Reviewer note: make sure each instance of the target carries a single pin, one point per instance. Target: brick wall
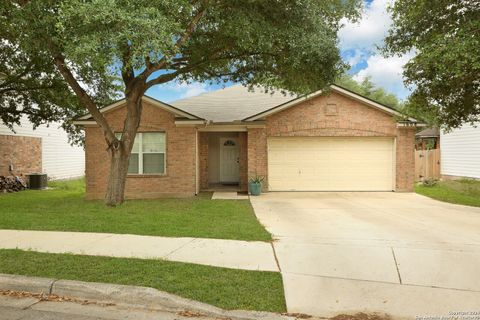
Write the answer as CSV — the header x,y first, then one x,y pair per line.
x,y
257,154
405,159
334,115
179,179
316,118
203,159
24,153
243,161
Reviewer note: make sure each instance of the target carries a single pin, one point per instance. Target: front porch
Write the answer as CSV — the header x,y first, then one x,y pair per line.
x,y
223,161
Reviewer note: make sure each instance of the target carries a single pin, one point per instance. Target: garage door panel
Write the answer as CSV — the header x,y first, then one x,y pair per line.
x,y
330,164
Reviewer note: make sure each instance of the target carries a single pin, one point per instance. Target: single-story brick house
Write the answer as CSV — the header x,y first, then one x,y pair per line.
x,y
339,141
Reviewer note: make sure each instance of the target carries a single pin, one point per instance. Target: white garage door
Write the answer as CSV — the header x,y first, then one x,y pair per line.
x,y
330,164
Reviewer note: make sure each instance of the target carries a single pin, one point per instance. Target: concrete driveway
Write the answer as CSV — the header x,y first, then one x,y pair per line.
x,y
399,253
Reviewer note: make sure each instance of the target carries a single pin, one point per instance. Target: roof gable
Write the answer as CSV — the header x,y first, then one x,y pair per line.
x,y
152,101
334,88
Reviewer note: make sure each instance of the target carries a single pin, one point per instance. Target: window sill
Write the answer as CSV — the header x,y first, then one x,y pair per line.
x,y
150,175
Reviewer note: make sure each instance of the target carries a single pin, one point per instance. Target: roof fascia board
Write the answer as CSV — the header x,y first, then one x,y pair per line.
x,y
105,109
230,127
283,106
84,122
189,123
317,93
410,124
369,102
154,102
171,108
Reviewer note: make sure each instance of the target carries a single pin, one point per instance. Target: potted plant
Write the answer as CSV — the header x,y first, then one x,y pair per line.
x,y
255,185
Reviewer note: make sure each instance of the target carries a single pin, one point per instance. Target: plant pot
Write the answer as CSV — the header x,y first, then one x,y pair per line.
x,y
255,188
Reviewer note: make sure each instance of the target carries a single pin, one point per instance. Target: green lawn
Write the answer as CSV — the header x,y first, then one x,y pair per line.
x,y
225,288
464,191
63,208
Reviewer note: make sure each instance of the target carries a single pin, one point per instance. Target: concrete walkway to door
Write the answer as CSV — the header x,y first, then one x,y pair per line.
x,y
399,253
213,252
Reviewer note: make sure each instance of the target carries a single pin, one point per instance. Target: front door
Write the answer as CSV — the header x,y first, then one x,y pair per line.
x,y
229,160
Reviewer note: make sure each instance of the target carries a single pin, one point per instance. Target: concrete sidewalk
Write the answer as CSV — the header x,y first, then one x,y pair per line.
x,y
247,255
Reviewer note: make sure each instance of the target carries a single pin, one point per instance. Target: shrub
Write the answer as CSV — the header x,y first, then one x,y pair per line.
x,y
429,182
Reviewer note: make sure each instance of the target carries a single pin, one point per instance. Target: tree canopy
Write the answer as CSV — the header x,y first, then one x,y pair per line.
x,y
136,44
287,44
31,86
368,89
444,74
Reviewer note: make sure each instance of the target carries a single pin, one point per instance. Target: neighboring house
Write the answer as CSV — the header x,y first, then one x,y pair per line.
x,y
460,152
45,149
427,139
336,142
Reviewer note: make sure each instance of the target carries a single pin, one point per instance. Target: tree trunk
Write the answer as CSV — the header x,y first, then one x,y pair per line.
x,y
118,176
120,150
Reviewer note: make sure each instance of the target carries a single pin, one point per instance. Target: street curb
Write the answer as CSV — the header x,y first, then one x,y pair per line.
x,y
21,283
126,295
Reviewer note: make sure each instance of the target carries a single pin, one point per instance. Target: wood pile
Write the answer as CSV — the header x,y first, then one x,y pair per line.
x,y
12,184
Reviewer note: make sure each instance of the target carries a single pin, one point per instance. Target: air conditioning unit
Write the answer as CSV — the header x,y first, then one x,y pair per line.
x,y
37,181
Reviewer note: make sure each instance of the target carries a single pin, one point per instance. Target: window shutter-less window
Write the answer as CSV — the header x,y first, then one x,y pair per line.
x,y
148,153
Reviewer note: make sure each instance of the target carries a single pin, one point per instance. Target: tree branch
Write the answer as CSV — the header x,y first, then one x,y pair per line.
x,y
83,96
170,76
183,38
163,79
19,76
191,26
26,88
127,70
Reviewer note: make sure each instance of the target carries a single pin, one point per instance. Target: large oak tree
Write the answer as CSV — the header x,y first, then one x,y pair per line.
x,y
445,70
288,44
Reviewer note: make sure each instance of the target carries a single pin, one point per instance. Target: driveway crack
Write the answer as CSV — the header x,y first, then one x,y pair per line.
x,y
396,265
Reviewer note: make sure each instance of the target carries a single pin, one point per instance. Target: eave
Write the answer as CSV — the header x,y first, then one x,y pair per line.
x,y
86,119
337,89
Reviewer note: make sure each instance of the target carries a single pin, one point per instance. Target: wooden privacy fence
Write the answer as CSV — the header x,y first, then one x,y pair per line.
x,y
427,164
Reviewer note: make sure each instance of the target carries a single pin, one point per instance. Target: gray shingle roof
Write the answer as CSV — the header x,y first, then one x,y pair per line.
x,y
428,133
231,103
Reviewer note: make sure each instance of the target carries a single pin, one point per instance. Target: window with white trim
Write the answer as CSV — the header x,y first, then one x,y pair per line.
x,y
148,153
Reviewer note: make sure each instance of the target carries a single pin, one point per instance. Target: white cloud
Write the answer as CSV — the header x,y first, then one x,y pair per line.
x,y
193,89
370,30
359,42
356,57
386,72
186,90
175,90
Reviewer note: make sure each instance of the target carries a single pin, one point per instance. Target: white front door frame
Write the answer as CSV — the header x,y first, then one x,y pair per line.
x,y
229,160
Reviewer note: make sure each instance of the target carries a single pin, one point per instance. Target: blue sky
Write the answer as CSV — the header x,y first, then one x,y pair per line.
x,y
358,44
